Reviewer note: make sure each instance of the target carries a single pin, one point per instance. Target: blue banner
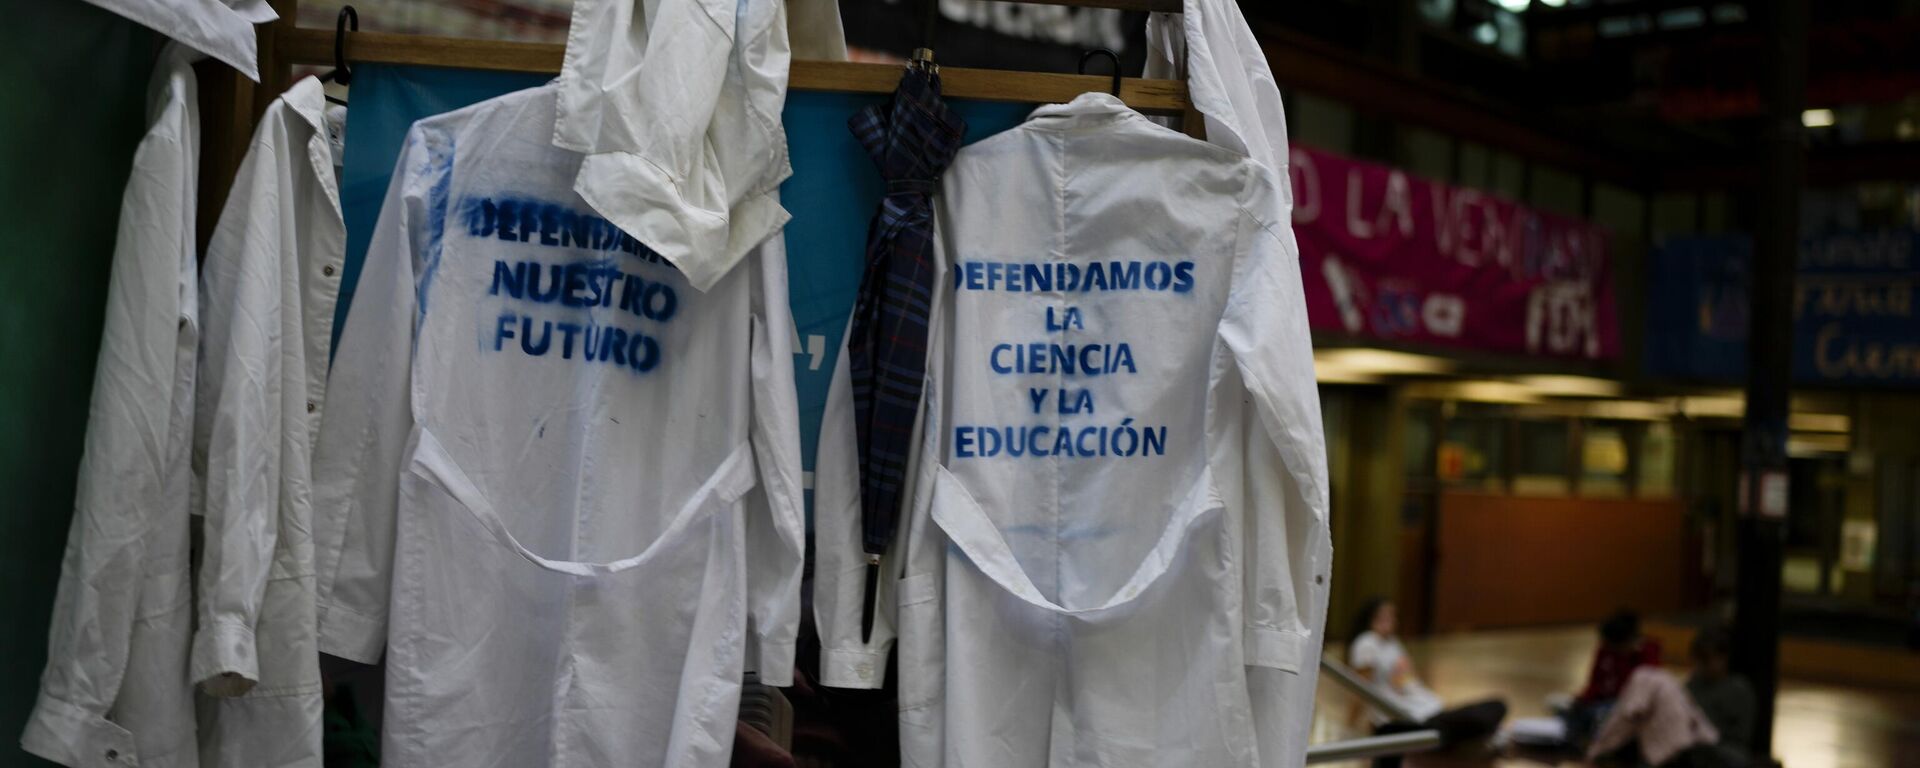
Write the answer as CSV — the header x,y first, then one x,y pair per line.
x,y
1854,316
832,194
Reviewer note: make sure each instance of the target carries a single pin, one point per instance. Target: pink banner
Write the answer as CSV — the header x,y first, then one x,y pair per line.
x,y
1389,256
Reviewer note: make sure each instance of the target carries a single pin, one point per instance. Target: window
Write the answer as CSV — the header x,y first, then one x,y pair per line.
x,y
1474,450
1603,459
1557,191
1540,458
1416,461
1320,122
1659,448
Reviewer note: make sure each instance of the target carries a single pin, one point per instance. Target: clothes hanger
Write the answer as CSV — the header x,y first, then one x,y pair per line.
x,y
342,74
1114,57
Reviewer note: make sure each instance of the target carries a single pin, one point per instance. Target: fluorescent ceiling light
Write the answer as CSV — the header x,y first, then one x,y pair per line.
x,y
1513,5
1818,422
1611,410
1493,391
1570,386
1735,406
1629,410
1725,407
1380,362
1806,444
1816,118
1474,391
1333,374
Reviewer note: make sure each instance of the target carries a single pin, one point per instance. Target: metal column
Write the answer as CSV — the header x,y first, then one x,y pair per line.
x,y
1756,630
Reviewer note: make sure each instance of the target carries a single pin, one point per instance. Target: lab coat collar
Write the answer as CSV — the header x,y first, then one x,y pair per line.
x,y
307,97
1086,110
222,29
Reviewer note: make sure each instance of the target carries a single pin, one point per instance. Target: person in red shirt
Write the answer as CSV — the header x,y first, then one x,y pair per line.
x,y
1622,650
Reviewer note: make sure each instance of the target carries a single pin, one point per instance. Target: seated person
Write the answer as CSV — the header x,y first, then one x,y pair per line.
x,y
1726,698
1622,650
1376,655
1653,722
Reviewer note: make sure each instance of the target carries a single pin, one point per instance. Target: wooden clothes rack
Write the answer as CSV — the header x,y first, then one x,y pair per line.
x,y
232,104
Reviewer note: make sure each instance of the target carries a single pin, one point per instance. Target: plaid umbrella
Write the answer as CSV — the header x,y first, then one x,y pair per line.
x,y
912,138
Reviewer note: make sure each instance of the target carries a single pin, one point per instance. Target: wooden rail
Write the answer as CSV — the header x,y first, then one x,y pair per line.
x,y
1160,97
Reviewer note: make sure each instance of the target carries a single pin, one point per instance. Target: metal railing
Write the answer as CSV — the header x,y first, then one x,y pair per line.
x,y
1374,746
1370,746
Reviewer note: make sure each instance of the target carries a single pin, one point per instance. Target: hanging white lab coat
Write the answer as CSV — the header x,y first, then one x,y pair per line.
x,y
677,105
269,286
222,29
1120,465
115,690
565,497
1210,46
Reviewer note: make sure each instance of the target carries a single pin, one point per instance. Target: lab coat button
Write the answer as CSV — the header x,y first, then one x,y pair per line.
x,y
327,270
864,670
113,755
311,407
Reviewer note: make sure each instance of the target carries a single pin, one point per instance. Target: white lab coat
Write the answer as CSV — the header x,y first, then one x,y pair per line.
x,y
115,691
677,105
1107,544
222,29
269,285
566,497
1210,46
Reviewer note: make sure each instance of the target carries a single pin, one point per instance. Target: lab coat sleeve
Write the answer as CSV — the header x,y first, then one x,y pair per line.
x,y
149,313
1209,45
776,513
638,91
369,420
240,411
1265,328
839,560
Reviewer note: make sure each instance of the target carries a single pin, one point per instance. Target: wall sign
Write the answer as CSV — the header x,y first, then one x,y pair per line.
x,y
1855,321
1390,256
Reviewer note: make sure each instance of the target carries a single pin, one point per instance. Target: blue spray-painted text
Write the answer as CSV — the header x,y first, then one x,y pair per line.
x,y
550,224
1065,277
1123,440
1094,359
585,341
585,284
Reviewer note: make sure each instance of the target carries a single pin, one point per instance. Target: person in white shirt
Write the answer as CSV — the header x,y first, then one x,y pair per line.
x,y
1377,655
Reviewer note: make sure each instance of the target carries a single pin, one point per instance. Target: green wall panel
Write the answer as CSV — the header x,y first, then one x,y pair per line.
x,y
72,111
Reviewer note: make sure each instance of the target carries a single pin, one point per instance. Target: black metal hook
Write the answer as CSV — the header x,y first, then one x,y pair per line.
x,y
1088,56
349,19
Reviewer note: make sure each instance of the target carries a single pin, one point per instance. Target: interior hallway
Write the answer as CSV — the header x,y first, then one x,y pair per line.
x,y
1816,726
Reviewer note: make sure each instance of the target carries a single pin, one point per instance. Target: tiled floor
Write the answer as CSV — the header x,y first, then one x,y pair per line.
x,y
1817,726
